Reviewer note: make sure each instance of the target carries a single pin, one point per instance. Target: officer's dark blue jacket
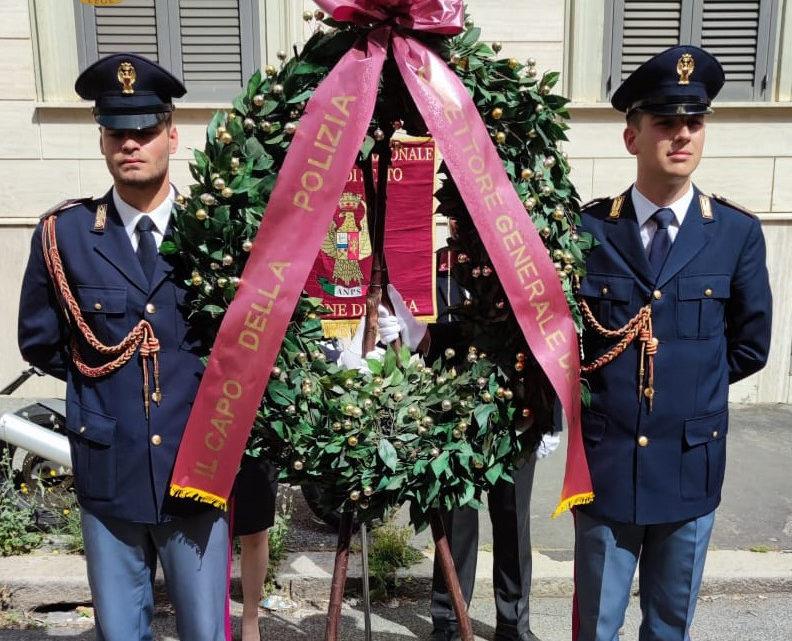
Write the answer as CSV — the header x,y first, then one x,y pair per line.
x,y
122,461
711,310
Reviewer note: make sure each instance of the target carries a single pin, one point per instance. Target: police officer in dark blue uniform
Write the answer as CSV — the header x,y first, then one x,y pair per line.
x,y
104,311
683,273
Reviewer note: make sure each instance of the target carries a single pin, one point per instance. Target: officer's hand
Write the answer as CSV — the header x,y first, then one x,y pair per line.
x,y
401,321
548,445
351,356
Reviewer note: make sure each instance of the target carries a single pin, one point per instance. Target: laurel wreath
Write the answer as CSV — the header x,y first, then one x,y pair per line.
x,y
436,436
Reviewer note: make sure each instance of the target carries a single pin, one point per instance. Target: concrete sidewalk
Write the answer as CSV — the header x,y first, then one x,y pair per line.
x,y
40,580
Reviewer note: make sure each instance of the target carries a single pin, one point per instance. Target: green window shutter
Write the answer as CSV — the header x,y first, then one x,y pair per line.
x,y
740,34
211,45
214,48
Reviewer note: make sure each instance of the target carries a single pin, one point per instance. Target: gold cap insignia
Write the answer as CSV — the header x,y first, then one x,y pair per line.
x,y
127,76
685,67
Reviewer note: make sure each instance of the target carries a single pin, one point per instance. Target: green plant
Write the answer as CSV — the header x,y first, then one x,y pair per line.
x,y
18,533
278,535
390,551
71,528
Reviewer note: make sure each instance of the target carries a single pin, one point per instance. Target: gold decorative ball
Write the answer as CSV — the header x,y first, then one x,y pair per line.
x,y
513,63
352,441
234,280
228,260
558,214
449,353
500,137
435,452
455,58
546,231
544,90
398,397
213,266
508,395
421,430
481,382
235,162
574,237
519,366
354,495
201,214
547,190
222,282
413,411
226,138
227,192
446,405
472,348
549,161
368,490
529,203
270,70
258,100
569,269
441,380
478,464
367,403
289,128
496,47
378,134
249,124
527,173
486,271
275,372
336,426
558,254
347,424
532,72
427,421
307,16
220,131
297,465
281,55
208,199
500,392
247,246
531,62
539,109
277,89
486,397
196,279
291,409
472,357
497,113
265,126
532,133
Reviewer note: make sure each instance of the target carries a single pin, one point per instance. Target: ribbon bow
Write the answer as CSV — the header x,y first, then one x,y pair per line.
x,y
302,204
444,17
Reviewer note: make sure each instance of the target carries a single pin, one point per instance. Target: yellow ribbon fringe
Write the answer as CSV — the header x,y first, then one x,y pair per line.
x,y
201,496
344,329
572,501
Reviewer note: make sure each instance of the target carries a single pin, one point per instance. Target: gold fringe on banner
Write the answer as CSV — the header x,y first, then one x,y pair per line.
x,y
572,501
201,496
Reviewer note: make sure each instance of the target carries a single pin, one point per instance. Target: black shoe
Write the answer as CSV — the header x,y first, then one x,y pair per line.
x,y
502,635
448,633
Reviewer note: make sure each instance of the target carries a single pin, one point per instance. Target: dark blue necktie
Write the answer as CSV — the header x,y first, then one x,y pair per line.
x,y
661,243
147,246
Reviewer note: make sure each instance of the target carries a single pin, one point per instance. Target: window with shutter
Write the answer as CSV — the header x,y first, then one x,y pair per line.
x,y
211,45
740,34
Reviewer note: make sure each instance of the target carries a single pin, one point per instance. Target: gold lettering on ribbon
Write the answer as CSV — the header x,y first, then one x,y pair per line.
x,y
215,438
327,140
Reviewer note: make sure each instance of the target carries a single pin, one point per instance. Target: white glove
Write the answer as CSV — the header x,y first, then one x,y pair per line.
x,y
351,356
401,321
548,445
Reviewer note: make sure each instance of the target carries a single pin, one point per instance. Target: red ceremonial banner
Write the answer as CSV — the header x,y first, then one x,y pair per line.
x,y
342,271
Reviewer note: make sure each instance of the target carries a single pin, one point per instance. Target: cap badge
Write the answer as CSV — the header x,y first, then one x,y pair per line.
x,y
127,76
685,67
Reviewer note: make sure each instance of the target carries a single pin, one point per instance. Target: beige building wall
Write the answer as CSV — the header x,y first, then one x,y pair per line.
x,y
49,142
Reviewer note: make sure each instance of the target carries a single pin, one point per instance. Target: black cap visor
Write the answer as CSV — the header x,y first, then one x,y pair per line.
x,y
130,121
681,109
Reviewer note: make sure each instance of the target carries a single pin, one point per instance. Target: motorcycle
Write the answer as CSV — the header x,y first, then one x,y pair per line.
x,y
35,455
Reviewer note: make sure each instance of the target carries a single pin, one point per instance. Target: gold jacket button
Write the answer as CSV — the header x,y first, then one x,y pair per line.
x,y
657,294
708,292
605,291
156,439
82,429
715,434
151,308
98,306
643,441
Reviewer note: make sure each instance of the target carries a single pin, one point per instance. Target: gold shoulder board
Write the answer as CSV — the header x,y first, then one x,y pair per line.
x,y
733,205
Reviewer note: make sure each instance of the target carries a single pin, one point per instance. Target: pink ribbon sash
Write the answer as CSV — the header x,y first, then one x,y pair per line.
x,y
301,207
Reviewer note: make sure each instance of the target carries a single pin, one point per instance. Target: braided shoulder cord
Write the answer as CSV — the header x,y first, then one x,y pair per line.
x,y
140,337
639,326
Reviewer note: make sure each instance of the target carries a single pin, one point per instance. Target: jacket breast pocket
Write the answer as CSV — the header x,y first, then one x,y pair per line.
x,y
105,310
701,305
704,455
95,454
609,298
